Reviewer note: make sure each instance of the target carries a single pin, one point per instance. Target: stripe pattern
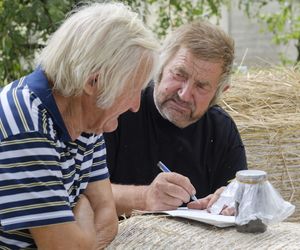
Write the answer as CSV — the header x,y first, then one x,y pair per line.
x,y
41,176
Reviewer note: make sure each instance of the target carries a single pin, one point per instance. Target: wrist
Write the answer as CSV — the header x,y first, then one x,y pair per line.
x,y
142,198
129,198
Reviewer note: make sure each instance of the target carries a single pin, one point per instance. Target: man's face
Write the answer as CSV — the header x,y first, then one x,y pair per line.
x,y
186,88
108,120
100,120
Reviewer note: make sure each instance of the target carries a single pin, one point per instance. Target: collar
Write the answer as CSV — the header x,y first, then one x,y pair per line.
x,y
38,83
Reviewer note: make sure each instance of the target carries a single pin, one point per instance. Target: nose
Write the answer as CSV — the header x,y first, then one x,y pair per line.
x,y
185,91
135,106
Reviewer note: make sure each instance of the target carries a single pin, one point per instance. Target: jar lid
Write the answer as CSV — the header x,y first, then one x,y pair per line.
x,y
251,176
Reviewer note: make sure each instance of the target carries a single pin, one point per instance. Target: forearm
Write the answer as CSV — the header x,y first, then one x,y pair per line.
x,y
85,217
63,236
128,198
106,223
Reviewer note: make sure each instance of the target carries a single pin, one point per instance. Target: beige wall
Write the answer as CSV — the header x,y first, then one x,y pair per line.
x,y
251,43
255,45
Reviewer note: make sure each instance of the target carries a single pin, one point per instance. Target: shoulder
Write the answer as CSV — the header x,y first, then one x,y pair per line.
x,y
218,112
220,120
91,143
22,112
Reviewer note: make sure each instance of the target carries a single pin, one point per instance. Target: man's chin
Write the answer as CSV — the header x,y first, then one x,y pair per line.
x,y
180,123
110,128
177,117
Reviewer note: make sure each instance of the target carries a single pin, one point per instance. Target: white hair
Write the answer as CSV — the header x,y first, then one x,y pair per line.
x,y
103,39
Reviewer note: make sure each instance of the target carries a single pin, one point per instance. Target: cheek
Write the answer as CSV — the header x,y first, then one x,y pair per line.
x,y
124,106
202,103
167,87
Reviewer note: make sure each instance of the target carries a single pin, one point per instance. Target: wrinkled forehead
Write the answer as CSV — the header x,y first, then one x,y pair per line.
x,y
187,63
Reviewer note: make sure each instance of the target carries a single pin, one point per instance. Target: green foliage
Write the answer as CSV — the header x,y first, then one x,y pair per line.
x,y
173,13
24,28
25,25
284,23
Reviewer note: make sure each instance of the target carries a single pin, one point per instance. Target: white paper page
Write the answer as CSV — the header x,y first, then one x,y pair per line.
x,y
203,216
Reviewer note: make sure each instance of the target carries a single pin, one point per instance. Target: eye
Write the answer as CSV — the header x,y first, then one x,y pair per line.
x,y
177,75
203,86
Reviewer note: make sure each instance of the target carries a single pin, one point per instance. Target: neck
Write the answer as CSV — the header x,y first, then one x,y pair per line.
x,y
71,112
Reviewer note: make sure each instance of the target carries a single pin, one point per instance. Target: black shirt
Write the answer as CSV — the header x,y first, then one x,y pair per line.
x,y
208,152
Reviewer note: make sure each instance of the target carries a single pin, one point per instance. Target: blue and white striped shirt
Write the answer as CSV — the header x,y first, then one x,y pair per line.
x,y
42,172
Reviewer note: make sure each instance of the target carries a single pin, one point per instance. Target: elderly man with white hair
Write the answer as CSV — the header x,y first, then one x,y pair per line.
x,y
55,192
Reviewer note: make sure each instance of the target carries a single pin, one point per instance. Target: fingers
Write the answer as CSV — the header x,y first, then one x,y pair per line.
x,y
228,211
215,197
203,204
200,204
208,201
168,191
171,202
180,181
174,191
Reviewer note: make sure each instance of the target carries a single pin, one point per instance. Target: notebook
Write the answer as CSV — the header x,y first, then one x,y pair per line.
x,y
200,215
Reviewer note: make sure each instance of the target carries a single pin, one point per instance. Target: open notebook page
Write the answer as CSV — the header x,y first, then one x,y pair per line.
x,y
201,215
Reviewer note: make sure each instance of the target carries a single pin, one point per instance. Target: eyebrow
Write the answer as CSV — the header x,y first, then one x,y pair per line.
x,y
202,82
181,70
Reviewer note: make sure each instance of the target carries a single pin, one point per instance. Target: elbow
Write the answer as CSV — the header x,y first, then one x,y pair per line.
x,y
84,242
113,233
106,235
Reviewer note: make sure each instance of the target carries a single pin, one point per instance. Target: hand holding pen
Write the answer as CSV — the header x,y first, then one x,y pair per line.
x,y
165,169
206,202
168,191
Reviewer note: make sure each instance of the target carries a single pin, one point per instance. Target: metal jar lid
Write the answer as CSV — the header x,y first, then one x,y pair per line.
x,y
251,176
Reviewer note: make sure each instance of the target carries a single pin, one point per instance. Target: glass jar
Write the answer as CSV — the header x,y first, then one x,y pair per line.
x,y
248,201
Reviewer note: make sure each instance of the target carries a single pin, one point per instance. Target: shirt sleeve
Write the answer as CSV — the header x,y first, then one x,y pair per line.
x,y
236,155
99,169
31,187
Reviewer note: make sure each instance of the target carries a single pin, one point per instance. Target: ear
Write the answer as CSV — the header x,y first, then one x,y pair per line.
x,y
90,86
225,88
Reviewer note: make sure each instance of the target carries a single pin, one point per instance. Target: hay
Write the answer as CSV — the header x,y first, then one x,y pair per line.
x,y
266,108
160,232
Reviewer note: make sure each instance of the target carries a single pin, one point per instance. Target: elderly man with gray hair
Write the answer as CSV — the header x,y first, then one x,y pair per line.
x,y
179,124
55,192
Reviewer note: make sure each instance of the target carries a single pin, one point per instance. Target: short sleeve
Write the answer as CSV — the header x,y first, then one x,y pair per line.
x,y
99,169
31,187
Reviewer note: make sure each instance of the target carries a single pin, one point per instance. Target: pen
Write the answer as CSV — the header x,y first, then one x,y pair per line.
x,y
165,169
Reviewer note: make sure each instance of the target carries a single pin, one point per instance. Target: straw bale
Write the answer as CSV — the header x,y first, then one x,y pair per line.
x,y
266,108
161,232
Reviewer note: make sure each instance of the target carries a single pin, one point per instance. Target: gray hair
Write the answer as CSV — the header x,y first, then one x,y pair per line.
x,y
104,39
206,42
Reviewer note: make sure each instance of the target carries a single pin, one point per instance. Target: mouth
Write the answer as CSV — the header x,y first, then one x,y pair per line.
x,y
180,107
